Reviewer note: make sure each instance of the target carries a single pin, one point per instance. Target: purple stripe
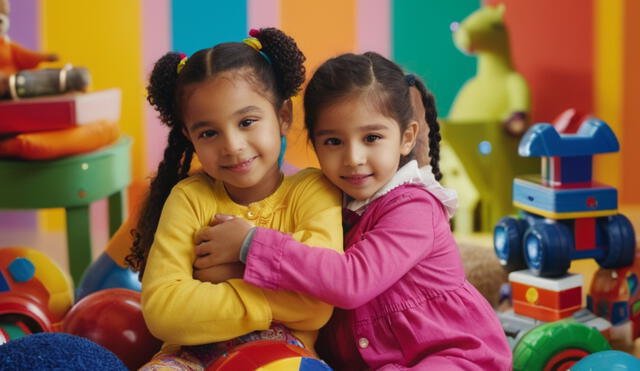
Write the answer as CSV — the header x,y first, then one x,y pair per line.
x,y
23,219
25,23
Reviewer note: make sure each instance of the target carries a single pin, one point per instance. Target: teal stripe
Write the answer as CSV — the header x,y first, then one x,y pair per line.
x,y
198,24
422,44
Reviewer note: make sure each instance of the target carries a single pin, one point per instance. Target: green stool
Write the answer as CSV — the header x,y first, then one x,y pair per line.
x,y
72,183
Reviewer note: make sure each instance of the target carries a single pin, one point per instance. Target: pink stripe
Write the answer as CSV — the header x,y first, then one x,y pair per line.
x,y
156,40
263,13
373,26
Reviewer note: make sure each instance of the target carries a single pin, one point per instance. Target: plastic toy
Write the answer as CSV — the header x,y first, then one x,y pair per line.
x,y
268,355
56,351
479,149
557,346
113,319
566,215
104,273
545,299
615,295
538,345
34,293
610,360
13,57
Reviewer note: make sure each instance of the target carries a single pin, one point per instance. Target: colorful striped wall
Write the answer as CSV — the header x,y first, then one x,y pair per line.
x,y
574,53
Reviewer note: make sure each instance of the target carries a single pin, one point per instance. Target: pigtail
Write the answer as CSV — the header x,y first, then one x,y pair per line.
x,y
162,87
175,164
431,116
286,59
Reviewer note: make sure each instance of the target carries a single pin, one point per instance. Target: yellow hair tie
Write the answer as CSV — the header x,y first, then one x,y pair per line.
x,y
253,42
183,61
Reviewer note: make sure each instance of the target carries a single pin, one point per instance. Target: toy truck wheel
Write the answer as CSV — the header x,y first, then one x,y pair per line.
x,y
547,249
507,242
620,242
557,346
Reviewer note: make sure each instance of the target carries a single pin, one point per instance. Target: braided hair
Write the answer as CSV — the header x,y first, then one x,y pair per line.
x,y
379,79
277,71
431,117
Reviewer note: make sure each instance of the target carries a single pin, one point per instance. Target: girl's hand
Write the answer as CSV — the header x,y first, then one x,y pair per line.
x,y
219,273
221,243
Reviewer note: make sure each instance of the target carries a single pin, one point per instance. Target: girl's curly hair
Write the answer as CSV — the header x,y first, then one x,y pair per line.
x,y
279,76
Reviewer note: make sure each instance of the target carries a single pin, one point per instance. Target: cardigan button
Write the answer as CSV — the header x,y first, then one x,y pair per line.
x,y
363,343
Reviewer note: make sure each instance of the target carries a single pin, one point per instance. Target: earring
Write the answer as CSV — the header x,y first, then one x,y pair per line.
x,y
283,148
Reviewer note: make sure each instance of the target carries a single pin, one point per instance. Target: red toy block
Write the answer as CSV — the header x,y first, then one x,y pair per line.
x,y
585,233
545,299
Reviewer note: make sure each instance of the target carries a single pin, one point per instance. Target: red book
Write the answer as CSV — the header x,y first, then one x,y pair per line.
x,y
59,111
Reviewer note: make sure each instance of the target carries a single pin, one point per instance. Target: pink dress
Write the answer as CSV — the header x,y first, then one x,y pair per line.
x,y
401,282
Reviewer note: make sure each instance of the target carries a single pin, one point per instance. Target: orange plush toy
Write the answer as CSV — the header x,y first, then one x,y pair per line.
x,y
14,57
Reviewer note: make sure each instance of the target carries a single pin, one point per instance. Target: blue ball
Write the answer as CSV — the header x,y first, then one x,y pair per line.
x,y
610,360
56,351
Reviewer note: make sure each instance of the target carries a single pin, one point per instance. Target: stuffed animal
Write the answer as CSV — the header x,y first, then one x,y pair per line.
x,y
13,57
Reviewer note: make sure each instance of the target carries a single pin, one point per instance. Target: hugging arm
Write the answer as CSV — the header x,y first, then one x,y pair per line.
x,y
399,240
317,222
179,309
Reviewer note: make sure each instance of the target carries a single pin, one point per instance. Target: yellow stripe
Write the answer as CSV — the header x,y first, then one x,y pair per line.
x,y
554,215
282,364
608,89
104,36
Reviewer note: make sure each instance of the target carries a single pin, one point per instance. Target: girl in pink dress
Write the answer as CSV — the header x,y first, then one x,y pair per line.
x,y
400,285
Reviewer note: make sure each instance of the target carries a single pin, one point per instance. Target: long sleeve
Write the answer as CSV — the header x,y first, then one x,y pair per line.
x,y
316,222
401,236
181,310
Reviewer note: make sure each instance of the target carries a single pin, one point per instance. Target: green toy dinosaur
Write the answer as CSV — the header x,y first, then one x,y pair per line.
x,y
486,119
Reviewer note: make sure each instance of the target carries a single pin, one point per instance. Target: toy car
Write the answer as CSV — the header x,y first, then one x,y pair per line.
x,y
34,293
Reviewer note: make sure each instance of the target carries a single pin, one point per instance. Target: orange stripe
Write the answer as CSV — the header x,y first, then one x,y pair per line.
x,y
322,30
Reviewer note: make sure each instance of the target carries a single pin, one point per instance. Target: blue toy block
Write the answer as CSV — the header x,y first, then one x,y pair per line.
x,y
530,194
594,136
21,269
563,170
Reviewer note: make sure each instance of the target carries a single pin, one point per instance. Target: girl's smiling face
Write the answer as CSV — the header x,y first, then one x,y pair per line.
x,y
358,147
236,132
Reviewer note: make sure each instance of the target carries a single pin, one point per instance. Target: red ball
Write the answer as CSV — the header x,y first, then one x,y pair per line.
x,y
113,319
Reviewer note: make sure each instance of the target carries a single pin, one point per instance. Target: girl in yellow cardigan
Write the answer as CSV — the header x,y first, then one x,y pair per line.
x,y
230,105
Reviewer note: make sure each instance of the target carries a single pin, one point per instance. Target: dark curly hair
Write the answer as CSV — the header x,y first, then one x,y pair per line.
x,y
380,79
279,76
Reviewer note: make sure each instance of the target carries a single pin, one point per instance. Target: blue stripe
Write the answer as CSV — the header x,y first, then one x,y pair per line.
x,y
199,24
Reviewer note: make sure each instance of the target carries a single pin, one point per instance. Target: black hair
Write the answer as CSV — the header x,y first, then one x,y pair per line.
x,y
380,79
279,75
431,117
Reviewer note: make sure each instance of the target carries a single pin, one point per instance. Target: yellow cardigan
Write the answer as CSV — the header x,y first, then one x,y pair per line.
x,y
181,310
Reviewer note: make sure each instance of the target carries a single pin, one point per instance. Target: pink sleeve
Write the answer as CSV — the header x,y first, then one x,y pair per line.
x,y
401,237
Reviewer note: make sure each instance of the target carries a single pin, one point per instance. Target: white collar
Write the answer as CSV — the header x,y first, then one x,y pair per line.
x,y
411,174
